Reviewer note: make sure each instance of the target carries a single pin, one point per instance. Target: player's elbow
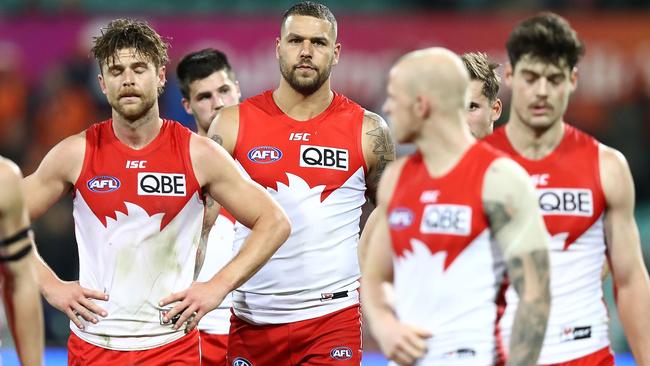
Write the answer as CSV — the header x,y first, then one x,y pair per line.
x,y
280,224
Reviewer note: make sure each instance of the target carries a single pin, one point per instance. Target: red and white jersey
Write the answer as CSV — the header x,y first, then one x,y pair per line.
x,y
217,254
448,272
137,217
316,171
573,203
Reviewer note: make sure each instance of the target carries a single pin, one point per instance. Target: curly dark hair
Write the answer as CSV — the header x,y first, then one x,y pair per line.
x,y
128,33
480,68
548,37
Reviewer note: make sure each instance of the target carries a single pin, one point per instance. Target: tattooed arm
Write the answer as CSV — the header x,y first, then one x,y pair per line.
x,y
223,131
225,127
510,204
378,150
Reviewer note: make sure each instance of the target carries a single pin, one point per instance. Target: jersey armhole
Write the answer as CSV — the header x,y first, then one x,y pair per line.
x,y
359,133
86,162
240,134
187,158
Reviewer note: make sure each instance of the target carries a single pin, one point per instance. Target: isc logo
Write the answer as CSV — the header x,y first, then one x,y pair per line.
x,y
446,219
400,218
566,201
103,184
323,157
161,184
264,154
341,353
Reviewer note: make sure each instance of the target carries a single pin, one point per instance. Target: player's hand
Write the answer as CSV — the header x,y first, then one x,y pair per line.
x,y
193,303
75,301
402,343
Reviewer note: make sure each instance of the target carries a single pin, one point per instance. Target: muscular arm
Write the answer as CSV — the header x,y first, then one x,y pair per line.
x,y
225,126
55,177
515,222
399,342
220,177
378,150
48,184
20,291
632,287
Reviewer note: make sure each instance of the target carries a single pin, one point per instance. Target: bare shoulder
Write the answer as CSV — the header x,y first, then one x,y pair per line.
x,y
225,127
10,178
208,158
65,159
373,121
8,170
503,175
615,176
612,159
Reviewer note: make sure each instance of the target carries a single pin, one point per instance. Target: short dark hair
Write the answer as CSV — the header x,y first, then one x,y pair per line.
x,y
311,9
199,65
548,37
128,33
480,68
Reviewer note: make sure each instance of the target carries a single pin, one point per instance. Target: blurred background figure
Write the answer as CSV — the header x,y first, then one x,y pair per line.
x,y
612,101
19,288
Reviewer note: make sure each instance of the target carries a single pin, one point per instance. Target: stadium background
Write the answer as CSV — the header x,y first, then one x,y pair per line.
x,y
49,90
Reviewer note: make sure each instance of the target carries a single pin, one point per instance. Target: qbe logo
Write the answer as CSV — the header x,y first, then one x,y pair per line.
x,y
341,353
566,201
161,184
240,361
323,157
103,184
264,154
446,219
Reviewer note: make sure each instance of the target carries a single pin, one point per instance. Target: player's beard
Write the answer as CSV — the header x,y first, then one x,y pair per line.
x,y
133,112
304,86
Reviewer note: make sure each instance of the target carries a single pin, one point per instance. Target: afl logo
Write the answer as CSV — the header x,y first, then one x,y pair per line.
x,y
240,361
400,218
103,184
264,154
341,353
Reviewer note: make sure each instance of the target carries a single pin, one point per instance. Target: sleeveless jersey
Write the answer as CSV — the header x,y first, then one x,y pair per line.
x,y
316,171
448,272
572,202
137,217
217,254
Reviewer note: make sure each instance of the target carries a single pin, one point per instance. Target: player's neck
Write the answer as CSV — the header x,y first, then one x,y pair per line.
x,y
531,143
442,148
137,134
302,107
200,131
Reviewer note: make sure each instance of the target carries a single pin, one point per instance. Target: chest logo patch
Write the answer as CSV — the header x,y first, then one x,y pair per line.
x,y
161,184
264,154
103,184
446,219
566,201
312,156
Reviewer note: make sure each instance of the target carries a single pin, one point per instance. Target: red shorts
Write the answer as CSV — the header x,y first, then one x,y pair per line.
x,y
213,349
331,339
184,351
603,357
